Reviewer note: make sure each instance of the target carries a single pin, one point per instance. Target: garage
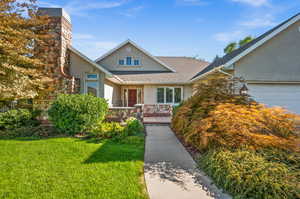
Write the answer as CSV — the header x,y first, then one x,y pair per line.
x,y
284,95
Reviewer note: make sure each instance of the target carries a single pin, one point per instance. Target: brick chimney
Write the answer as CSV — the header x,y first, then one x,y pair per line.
x,y
57,58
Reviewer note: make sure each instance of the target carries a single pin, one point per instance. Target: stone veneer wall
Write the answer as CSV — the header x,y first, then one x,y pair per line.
x,y
55,53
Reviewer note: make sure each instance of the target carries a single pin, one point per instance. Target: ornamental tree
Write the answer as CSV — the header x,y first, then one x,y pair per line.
x,y
22,74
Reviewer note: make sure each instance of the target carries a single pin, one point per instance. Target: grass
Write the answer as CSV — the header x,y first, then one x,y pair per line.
x,y
71,168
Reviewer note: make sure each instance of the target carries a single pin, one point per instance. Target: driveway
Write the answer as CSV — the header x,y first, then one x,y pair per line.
x,y
170,171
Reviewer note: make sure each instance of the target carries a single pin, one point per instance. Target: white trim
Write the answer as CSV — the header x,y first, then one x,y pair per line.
x,y
250,49
207,73
165,93
85,85
86,76
264,40
135,45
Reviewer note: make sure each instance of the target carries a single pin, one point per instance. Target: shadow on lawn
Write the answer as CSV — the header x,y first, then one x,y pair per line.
x,y
110,151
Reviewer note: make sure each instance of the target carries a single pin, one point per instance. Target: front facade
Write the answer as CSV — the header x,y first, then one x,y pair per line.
x,y
126,75
270,65
141,78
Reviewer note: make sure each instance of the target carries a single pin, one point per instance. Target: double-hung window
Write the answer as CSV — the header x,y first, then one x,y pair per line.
x,y
92,84
169,95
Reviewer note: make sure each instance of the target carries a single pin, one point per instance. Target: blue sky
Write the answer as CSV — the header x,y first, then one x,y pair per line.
x,y
170,27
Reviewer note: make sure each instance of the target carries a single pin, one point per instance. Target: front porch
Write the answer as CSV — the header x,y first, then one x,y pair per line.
x,y
147,113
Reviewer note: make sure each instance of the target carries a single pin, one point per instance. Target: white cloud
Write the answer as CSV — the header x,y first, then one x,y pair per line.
x,y
132,12
81,7
259,22
191,2
229,36
256,3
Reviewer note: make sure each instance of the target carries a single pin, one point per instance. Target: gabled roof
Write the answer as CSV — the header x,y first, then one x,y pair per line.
x,y
186,68
138,47
237,54
101,68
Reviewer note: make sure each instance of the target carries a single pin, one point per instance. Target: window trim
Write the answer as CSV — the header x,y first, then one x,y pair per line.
x,y
87,78
173,91
125,97
91,80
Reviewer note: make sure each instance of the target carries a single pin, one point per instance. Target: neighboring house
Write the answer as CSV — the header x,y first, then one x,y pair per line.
x,y
126,75
270,64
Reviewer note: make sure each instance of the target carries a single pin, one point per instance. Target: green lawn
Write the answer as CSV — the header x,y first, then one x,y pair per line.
x,y
65,168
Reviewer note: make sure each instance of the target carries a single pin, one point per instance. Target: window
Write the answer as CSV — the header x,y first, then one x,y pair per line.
x,y
92,88
92,84
121,62
160,95
169,95
177,95
92,76
136,62
128,61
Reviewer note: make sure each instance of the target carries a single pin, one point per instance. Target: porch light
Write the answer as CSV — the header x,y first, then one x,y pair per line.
x,y
244,90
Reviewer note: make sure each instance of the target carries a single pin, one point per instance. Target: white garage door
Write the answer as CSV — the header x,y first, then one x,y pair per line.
x,y
284,95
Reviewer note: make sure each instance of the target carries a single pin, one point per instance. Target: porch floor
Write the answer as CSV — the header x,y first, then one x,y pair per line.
x,y
157,120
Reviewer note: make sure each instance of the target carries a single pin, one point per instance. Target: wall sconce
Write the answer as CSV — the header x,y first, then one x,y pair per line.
x,y
244,90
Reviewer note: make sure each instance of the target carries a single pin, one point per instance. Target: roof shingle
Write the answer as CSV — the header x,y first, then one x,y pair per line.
x,y
185,67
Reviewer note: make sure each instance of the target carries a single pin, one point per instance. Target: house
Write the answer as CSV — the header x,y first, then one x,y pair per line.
x,y
270,65
126,75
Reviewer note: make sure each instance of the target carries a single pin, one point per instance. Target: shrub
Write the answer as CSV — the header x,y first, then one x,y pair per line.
x,y
29,131
73,114
209,120
17,118
107,130
208,96
133,126
235,126
245,174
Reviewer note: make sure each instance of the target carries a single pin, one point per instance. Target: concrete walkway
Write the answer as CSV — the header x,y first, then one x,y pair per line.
x,y
170,171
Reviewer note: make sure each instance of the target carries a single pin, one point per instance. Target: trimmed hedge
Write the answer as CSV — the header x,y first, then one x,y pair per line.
x,y
73,114
115,130
107,130
246,174
133,126
17,119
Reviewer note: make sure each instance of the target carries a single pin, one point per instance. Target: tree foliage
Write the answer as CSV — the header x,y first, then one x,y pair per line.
x,y
22,74
234,45
217,116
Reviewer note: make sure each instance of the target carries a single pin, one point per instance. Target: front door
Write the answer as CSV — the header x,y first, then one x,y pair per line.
x,y
132,95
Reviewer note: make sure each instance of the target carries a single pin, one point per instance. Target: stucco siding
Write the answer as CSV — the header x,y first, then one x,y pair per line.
x,y
146,62
187,91
112,93
276,60
79,68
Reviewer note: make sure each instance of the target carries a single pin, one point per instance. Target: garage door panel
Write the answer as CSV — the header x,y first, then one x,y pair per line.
x,y
287,96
